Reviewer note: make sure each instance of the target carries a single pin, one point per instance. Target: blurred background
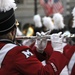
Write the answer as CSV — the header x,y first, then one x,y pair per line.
x,y
28,8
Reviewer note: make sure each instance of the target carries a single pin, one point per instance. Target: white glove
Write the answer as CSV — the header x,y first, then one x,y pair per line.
x,y
56,42
65,40
66,33
40,43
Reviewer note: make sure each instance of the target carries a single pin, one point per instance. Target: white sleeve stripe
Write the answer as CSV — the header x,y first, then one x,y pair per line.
x,y
54,67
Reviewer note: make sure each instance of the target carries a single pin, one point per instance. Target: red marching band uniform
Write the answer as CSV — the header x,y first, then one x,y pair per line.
x,y
22,59
69,52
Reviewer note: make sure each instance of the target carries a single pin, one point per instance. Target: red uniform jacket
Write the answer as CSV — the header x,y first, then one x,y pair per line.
x,y
20,60
47,52
69,52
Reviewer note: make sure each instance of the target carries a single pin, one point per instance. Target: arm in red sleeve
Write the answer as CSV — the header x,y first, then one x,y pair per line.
x,y
30,65
46,54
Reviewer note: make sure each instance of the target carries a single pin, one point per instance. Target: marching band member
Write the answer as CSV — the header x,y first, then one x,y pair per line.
x,y
20,60
59,23
55,28
37,27
70,51
47,22
37,23
28,30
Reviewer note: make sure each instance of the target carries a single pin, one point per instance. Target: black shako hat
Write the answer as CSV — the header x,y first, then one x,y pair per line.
x,y
7,16
7,21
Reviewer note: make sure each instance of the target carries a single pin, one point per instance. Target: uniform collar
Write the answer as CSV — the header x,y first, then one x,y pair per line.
x,y
10,41
6,41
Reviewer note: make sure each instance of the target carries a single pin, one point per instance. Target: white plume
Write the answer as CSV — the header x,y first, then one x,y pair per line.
x,y
37,21
73,13
47,22
6,5
73,26
58,21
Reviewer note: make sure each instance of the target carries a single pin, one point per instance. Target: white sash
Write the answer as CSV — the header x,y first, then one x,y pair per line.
x,y
71,63
4,51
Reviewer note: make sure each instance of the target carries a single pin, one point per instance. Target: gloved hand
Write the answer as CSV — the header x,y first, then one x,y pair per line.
x,y
56,42
40,43
65,39
66,33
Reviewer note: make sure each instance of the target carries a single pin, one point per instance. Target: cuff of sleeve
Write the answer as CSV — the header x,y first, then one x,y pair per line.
x,y
57,59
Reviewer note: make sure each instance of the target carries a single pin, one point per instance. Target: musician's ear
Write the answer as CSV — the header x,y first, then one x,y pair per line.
x,y
13,31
